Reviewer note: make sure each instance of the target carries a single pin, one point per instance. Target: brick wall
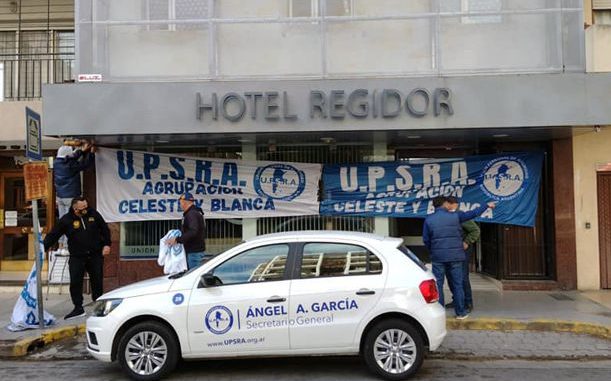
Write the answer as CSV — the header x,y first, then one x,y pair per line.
x,y
564,214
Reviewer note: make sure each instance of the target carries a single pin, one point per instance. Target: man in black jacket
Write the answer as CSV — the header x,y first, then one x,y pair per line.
x,y
193,231
89,241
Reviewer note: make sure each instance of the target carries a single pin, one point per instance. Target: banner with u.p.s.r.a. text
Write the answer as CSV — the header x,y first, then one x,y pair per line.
x,y
407,188
137,186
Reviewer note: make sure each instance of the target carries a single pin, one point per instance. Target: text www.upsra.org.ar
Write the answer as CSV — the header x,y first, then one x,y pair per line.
x,y
237,341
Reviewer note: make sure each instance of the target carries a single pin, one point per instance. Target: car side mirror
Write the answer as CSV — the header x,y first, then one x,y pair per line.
x,y
208,280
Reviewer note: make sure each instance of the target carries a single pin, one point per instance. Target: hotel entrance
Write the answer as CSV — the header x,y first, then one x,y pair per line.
x,y
504,252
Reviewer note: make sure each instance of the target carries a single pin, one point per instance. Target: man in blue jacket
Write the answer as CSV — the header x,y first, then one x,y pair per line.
x,y
67,168
443,237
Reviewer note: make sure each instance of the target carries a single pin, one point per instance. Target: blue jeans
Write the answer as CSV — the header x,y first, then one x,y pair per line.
x,y
466,283
195,259
63,207
455,276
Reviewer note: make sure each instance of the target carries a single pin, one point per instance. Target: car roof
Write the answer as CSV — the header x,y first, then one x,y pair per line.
x,y
327,234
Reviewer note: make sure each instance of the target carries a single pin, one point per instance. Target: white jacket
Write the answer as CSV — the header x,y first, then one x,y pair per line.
x,y
172,258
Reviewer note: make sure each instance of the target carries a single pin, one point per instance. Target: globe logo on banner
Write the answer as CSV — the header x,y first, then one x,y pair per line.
x,y
504,178
219,320
279,181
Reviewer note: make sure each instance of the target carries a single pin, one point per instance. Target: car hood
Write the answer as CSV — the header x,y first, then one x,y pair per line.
x,y
145,287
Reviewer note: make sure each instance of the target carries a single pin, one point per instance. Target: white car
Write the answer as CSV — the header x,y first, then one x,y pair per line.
x,y
285,294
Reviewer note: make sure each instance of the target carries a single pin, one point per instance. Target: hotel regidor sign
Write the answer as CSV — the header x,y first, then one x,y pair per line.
x,y
333,104
127,112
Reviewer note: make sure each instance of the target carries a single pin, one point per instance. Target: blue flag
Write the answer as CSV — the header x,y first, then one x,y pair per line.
x,y
406,188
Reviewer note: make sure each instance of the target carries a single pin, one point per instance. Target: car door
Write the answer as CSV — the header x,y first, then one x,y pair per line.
x,y
247,311
335,286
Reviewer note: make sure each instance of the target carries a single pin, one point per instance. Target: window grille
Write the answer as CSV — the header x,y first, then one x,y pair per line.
x,y
168,10
33,58
311,8
328,153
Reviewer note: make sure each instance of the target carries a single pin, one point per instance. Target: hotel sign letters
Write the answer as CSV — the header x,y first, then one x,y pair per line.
x,y
334,104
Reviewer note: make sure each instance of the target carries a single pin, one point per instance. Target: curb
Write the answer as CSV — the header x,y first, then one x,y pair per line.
x,y
540,325
467,357
22,347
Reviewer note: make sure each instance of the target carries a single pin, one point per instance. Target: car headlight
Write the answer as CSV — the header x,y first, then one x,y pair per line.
x,y
104,307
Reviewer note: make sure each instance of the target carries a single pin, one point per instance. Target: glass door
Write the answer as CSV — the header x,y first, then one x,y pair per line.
x,y
16,232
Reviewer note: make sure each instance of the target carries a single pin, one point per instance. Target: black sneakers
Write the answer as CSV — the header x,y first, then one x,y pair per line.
x,y
77,312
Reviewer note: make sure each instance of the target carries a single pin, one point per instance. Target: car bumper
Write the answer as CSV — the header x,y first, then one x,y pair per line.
x,y
99,355
435,324
100,333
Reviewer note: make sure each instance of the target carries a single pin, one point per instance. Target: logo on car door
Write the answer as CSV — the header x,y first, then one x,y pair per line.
x,y
219,320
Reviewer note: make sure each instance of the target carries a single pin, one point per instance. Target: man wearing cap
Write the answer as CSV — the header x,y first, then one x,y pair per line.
x,y
193,231
89,240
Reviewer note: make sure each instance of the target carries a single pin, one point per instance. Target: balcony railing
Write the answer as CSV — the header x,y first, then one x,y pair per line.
x,y
23,76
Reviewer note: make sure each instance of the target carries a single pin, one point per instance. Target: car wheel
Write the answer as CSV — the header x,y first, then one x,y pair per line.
x,y
148,351
393,349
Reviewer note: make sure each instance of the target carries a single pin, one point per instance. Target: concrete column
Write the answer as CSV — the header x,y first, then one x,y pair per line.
x,y
380,151
249,225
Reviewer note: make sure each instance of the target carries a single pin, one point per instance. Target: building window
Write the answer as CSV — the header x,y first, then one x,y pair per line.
x,y
33,58
64,56
1,81
332,153
8,55
170,10
8,44
474,6
140,239
311,8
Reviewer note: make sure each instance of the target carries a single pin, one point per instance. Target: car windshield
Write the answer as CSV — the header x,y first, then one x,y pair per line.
x,y
412,256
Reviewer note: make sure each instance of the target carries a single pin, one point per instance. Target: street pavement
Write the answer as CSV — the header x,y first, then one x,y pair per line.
x,y
462,344
314,369
464,355
472,346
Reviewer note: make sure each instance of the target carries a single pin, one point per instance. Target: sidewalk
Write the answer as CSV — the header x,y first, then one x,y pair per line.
x,y
16,344
542,311
547,311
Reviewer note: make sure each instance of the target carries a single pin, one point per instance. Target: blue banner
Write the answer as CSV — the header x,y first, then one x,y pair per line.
x,y
406,188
